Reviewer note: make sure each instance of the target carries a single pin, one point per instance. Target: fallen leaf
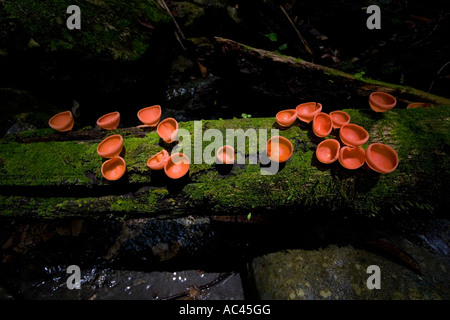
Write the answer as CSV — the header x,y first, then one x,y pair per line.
x,y
203,70
397,254
194,292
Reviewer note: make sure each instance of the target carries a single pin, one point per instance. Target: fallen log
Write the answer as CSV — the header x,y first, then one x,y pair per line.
x,y
62,178
277,76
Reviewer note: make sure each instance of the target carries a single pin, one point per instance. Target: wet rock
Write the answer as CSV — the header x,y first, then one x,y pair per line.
x,y
186,284
203,46
35,257
143,240
196,97
340,273
110,284
434,235
181,69
20,126
180,116
155,240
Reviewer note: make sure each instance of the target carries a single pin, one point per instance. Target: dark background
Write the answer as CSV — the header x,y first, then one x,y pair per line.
x,y
42,72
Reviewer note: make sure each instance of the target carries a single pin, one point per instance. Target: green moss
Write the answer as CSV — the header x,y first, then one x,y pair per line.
x,y
148,202
154,12
107,27
16,206
123,204
49,163
420,137
137,152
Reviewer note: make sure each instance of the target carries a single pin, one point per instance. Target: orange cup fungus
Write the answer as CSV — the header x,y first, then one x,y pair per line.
x,y
62,121
279,149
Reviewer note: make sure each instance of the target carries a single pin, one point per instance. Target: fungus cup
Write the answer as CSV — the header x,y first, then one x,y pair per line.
x,y
158,161
339,118
328,151
150,116
62,121
168,130
279,149
351,157
381,158
110,146
353,135
177,166
225,155
286,118
322,124
307,111
109,121
114,168
381,101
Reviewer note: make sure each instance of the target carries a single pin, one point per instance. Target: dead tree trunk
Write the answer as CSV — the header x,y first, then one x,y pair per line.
x,y
278,76
62,178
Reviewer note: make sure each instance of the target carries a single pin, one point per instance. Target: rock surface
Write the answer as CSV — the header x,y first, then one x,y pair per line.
x,y
110,284
340,272
116,284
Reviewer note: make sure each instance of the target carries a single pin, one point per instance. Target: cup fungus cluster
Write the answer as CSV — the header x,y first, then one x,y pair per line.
x,y
111,147
175,166
379,157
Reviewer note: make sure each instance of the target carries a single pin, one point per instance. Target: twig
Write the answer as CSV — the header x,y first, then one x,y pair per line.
x,y
305,44
145,24
418,43
437,75
442,17
179,40
397,254
177,32
163,4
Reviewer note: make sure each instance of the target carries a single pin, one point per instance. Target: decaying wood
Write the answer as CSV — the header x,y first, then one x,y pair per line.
x,y
62,178
274,75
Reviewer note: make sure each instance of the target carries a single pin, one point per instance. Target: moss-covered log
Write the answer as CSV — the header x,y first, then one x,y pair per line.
x,y
60,178
277,76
